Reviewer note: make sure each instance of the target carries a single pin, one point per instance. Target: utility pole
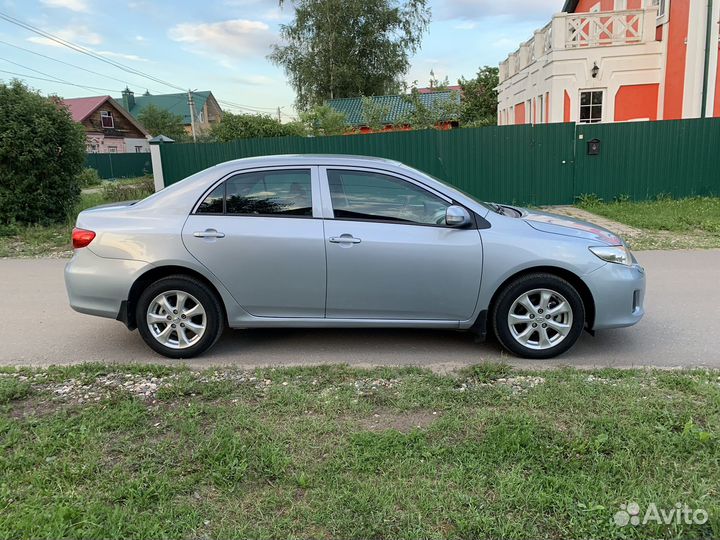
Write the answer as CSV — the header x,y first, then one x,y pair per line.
x,y
191,103
279,116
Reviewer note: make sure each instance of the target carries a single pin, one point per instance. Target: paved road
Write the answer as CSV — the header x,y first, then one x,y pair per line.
x,y
680,329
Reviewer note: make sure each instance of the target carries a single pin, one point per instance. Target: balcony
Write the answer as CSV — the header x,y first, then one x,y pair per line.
x,y
572,31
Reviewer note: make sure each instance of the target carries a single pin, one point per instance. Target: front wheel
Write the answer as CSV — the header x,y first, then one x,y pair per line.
x,y
179,317
538,316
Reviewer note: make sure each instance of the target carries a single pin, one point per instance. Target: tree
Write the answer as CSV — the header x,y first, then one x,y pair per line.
x,y
480,98
323,120
428,116
42,152
346,48
162,122
250,126
374,114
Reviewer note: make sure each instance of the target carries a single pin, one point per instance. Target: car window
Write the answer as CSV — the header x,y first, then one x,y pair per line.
x,y
380,197
213,203
263,193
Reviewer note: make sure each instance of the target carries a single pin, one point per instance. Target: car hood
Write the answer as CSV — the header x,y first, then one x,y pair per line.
x,y
567,226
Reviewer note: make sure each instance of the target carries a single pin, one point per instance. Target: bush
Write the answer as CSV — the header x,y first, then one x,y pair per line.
x,y
42,152
89,178
118,191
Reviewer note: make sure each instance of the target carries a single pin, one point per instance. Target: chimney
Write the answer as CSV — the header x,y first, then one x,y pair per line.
x,y
128,99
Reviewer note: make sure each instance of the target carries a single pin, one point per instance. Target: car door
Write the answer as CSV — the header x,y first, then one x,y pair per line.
x,y
390,254
259,232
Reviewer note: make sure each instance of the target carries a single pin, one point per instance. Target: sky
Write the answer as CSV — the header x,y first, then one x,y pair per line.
x,y
222,45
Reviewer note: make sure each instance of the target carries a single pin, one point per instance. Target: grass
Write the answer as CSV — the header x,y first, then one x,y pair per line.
x,y
665,222
333,451
54,240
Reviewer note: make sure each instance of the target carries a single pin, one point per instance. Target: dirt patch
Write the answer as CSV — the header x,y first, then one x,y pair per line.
x,y
402,422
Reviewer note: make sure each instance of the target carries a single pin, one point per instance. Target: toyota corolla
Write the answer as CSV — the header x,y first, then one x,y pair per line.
x,y
345,241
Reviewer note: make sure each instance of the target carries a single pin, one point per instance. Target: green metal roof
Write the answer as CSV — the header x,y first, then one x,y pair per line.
x,y
175,103
396,106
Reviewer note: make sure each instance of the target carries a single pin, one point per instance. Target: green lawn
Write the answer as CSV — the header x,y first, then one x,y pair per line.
x,y
54,240
665,223
334,452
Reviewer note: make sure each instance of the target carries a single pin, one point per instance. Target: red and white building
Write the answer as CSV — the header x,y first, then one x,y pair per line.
x,y
616,61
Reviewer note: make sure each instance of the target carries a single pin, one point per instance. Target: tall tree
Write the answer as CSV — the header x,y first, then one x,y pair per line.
x,y
162,122
480,98
347,48
323,120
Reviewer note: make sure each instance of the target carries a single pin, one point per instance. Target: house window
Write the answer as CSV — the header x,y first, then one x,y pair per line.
x,y
591,105
663,9
112,149
138,149
106,119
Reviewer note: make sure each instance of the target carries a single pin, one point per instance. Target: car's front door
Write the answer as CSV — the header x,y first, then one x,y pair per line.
x,y
260,235
390,254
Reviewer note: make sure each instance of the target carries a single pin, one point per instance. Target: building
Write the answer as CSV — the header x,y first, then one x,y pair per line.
x,y
616,61
207,110
397,109
109,129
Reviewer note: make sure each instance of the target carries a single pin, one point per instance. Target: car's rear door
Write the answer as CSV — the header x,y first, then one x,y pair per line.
x,y
260,233
390,254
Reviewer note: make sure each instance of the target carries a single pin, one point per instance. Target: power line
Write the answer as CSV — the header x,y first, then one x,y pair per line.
x,y
26,76
84,50
71,65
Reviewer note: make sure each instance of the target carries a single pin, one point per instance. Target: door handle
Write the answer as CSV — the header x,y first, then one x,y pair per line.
x,y
209,233
345,239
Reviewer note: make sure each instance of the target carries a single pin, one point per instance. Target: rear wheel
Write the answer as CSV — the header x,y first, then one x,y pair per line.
x,y
179,317
538,316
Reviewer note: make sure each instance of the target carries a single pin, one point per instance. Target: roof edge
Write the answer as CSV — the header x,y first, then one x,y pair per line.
x,y
570,6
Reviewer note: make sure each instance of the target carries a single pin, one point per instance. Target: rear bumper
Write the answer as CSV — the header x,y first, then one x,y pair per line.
x,y
98,286
619,293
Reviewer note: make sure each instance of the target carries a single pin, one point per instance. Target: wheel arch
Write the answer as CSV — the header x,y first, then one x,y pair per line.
x,y
572,278
127,310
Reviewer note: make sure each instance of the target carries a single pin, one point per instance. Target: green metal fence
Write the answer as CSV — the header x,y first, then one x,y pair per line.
x,y
110,166
545,164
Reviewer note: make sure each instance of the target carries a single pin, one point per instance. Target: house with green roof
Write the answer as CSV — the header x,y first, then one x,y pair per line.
x,y
207,110
397,108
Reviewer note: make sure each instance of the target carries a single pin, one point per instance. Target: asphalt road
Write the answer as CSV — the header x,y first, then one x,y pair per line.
x,y
680,329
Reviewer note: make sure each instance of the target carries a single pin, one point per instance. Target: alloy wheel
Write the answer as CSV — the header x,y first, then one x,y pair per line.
x,y
540,319
176,319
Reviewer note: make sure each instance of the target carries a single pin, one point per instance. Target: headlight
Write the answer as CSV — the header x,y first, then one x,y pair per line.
x,y
613,254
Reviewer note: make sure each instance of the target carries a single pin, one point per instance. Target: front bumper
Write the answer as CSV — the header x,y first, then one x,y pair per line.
x,y
619,294
98,286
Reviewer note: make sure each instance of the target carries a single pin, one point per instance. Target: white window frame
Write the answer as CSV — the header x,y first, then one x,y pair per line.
x,y
103,116
603,105
663,14
112,149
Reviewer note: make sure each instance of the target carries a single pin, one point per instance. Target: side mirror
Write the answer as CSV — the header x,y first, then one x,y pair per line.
x,y
457,216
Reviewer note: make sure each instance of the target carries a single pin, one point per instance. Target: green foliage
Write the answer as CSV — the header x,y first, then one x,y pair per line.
x,y
122,191
480,98
346,48
251,126
162,122
42,152
585,200
323,120
89,177
422,116
374,114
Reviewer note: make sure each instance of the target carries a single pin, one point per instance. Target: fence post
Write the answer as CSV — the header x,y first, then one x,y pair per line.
x,y
156,158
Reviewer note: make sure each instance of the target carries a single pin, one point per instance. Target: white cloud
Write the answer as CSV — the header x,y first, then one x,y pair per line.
x,y
255,80
76,34
518,10
73,5
466,25
122,56
140,38
235,38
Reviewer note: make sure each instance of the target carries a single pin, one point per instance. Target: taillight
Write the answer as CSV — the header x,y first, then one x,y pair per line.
x,y
81,238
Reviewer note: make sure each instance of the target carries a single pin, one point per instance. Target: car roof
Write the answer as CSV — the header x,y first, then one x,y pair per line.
x,y
309,159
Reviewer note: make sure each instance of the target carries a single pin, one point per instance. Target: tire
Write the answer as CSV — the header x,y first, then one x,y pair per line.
x,y
191,329
547,301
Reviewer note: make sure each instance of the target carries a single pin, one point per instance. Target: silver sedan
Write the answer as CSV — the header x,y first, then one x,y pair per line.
x,y
345,241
